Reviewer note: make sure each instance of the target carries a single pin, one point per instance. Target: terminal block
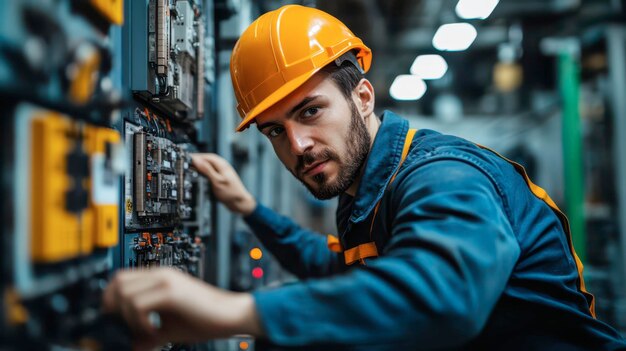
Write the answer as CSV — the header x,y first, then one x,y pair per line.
x,y
174,249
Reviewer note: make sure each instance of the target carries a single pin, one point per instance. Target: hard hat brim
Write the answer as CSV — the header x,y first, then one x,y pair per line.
x,y
294,84
274,98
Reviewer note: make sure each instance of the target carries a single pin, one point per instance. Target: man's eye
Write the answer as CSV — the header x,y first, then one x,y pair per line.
x,y
310,112
274,132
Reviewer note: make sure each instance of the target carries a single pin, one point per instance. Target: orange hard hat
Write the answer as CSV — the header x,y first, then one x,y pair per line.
x,y
281,50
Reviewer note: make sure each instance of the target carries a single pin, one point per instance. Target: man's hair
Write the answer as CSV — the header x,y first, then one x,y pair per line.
x,y
346,76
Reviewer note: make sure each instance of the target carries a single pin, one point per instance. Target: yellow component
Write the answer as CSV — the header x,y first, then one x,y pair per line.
x,y
85,74
54,231
129,206
98,137
107,226
112,10
16,312
256,253
103,228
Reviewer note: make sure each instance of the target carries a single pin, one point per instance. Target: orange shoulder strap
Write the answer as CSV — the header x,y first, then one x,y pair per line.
x,y
369,249
543,195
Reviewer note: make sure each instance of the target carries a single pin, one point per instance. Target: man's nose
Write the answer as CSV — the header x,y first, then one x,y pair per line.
x,y
299,139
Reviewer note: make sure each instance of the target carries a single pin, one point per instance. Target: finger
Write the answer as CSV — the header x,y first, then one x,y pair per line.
x,y
141,284
123,289
205,157
196,159
206,166
214,175
110,300
144,298
216,167
131,297
219,163
157,300
149,302
120,285
131,316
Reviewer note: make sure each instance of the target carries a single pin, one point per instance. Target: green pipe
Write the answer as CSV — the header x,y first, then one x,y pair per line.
x,y
569,84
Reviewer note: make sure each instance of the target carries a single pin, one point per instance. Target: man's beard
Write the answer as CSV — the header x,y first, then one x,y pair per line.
x,y
358,143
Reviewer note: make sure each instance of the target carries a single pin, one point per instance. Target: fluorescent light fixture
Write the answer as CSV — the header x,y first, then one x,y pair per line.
x,y
407,87
475,9
454,37
429,67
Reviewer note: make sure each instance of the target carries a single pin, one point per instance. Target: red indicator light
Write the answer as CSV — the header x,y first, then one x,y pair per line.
x,y
257,273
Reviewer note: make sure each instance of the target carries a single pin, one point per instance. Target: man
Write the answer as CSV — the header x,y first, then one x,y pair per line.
x,y
441,244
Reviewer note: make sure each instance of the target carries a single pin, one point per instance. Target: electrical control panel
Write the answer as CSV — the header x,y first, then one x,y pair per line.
x,y
166,201
96,167
173,73
166,218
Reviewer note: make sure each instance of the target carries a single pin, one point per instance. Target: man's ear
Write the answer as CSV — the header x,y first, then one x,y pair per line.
x,y
364,96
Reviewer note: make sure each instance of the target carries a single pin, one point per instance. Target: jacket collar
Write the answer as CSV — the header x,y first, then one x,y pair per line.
x,y
382,161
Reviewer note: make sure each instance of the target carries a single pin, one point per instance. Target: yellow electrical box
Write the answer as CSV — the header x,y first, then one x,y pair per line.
x,y
102,217
55,232
112,10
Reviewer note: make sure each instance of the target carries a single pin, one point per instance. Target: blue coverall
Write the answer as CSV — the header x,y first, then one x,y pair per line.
x,y
470,259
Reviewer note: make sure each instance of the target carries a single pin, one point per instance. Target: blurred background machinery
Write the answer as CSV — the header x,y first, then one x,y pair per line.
x,y
104,100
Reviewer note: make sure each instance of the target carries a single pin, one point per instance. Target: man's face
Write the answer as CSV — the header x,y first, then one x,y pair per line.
x,y
319,135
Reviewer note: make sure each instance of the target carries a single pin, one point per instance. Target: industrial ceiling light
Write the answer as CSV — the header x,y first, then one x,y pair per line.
x,y
429,67
454,37
407,87
475,9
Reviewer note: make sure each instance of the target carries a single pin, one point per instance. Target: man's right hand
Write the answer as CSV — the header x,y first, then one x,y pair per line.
x,y
187,309
226,184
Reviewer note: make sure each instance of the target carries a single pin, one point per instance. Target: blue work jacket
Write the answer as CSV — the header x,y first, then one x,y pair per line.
x,y
469,259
